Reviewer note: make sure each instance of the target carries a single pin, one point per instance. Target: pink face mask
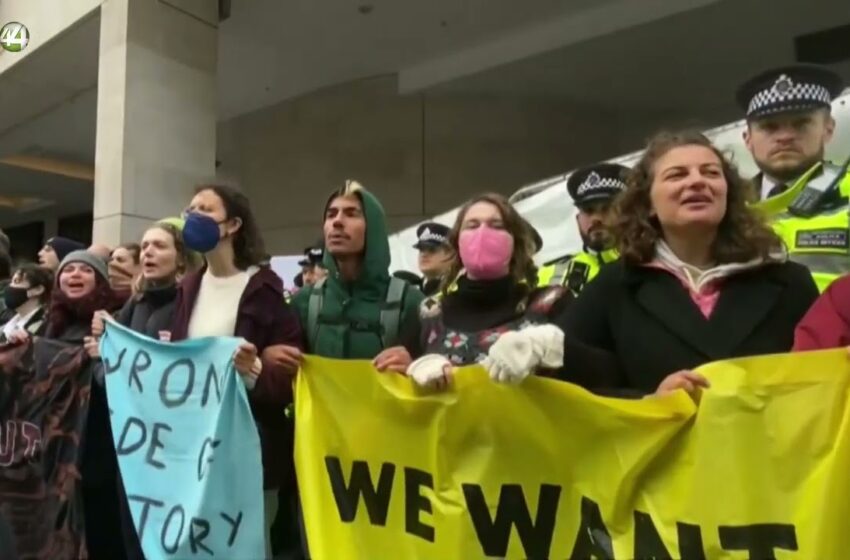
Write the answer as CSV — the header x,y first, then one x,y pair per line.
x,y
486,252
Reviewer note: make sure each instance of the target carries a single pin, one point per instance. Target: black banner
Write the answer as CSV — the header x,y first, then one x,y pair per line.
x,y
44,396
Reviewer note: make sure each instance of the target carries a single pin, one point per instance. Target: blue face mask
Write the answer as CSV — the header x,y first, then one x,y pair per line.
x,y
201,233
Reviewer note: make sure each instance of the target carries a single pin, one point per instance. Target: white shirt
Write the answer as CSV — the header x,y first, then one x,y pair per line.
x,y
217,304
767,184
18,322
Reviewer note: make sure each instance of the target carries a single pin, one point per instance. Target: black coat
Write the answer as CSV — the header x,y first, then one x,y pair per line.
x,y
648,321
150,312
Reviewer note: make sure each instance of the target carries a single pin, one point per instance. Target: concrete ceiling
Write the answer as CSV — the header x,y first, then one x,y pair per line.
x,y
271,50
687,65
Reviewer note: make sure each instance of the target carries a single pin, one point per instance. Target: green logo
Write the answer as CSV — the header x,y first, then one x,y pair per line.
x,y
14,36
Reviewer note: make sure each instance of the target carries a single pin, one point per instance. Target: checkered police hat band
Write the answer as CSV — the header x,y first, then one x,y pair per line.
x,y
799,95
606,184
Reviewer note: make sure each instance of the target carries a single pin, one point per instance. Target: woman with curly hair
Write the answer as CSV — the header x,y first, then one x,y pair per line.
x,y
701,277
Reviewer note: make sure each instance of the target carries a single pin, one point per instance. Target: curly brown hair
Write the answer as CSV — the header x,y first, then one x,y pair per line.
x,y
742,234
521,267
248,247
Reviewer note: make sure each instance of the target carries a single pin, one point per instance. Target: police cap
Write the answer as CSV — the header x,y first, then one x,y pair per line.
x,y
801,87
431,235
313,255
597,183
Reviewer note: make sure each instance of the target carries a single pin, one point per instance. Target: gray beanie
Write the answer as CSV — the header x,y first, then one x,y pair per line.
x,y
82,256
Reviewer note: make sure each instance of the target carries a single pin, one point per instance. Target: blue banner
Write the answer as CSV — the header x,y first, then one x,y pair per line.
x,y
188,448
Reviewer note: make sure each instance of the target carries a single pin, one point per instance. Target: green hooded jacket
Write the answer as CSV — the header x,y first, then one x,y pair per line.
x,y
349,324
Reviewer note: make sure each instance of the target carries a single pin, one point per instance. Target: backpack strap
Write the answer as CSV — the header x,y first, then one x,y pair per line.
x,y
391,312
317,294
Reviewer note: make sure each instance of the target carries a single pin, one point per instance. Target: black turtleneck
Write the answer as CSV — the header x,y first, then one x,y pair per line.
x,y
150,312
482,304
477,305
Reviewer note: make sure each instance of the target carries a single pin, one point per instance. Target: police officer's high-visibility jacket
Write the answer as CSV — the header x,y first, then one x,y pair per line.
x,y
576,271
820,242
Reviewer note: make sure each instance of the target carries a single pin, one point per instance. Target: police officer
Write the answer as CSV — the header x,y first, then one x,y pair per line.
x,y
593,190
312,269
435,255
805,197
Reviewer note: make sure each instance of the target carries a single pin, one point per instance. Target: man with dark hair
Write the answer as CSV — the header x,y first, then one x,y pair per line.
x,y
593,190
789,124
356,312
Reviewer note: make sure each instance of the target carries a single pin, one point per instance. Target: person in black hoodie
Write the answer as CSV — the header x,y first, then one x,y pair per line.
x,y
82,287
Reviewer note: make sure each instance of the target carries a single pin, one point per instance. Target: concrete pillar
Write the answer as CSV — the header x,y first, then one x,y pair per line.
x,y
156,111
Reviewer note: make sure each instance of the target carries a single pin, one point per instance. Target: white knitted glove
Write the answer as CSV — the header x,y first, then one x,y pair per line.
x,y
517,353
430,370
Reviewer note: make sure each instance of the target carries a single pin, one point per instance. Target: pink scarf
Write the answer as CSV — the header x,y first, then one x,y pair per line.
x,y
703,285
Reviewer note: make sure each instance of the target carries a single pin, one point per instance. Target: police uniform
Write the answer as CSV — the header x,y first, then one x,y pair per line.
x,y
810,214
597,183
431,235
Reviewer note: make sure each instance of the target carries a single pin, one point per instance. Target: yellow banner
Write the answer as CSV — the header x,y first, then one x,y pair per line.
x,y
759,469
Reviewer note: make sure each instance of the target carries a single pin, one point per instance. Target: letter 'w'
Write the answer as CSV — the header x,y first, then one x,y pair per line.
x,y
347,496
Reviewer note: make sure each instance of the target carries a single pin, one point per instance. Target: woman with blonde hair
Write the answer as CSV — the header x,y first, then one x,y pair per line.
x,y
701,276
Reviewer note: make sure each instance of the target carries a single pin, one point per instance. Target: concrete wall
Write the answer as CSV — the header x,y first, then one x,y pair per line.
x,y
422,155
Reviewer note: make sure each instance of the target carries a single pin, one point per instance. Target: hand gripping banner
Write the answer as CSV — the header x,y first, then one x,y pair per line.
x,y
188,449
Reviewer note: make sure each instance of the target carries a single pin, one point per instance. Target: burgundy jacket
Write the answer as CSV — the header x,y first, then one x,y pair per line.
x,y
827,324
264,319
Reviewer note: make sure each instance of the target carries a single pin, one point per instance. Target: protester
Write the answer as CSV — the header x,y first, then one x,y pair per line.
x,y
357,311
827,323
435,255
701,278
788,126
27,297
164,260
593,190
494,295
124,267
233,296
55,250
82,287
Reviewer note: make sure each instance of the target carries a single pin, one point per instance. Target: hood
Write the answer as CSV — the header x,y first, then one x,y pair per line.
x,y
376,258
